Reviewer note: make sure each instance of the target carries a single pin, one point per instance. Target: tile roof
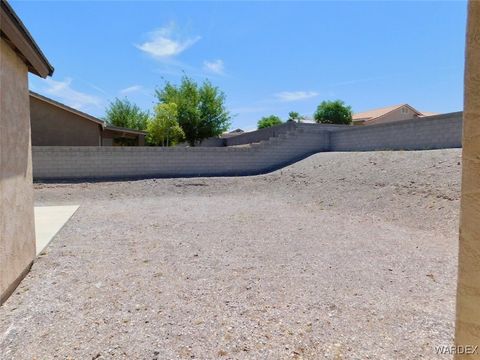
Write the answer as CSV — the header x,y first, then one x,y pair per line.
x,y
375,113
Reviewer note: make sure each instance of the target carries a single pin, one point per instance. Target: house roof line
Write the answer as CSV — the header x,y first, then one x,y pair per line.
x,y
86,116
14,32
377,113
66,107
119,128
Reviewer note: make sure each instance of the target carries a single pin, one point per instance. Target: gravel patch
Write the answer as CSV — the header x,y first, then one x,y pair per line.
x,y
339,256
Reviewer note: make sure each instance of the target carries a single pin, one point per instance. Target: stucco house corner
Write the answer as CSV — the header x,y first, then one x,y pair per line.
x,y
19,55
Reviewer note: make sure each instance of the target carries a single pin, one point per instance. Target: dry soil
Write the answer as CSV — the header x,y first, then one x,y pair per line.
x,y
340,256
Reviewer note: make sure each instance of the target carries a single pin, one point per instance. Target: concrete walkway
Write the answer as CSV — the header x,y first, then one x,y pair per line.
x,y
48,222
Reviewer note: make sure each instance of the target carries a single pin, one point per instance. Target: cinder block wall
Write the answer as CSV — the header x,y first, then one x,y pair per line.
x,y
61,162
432,132
301,140
260,135
211,142
273,131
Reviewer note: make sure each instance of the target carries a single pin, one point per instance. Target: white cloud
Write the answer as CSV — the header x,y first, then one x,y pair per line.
x,y
63,91
165,43
215,66
295,95
131,89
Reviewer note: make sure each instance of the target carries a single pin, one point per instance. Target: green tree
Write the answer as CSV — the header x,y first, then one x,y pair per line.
x,y
163,128
268,121
201,111
333,112
125,114
293,115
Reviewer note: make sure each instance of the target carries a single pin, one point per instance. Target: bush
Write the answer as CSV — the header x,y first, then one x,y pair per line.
x,y
293,115
125,114
269,121
201,111
163,129
333,112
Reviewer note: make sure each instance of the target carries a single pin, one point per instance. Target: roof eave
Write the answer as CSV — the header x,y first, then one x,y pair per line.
x,y
125,130
17,36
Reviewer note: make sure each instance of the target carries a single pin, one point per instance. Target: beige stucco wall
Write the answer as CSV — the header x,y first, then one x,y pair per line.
x,y
17,235
394,116
54,126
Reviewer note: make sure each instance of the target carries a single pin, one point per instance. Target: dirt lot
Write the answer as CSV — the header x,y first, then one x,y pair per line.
x,y
340,256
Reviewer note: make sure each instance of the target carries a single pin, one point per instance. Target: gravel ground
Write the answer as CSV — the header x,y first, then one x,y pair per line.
x,y
340,256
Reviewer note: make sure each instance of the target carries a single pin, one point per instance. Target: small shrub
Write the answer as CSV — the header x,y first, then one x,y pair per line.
x,y
269,121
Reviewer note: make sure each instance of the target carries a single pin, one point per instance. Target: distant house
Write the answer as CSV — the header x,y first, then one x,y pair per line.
x,y
56,124
388,114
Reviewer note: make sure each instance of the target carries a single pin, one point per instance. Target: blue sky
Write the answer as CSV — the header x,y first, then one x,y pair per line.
x,y
268,57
